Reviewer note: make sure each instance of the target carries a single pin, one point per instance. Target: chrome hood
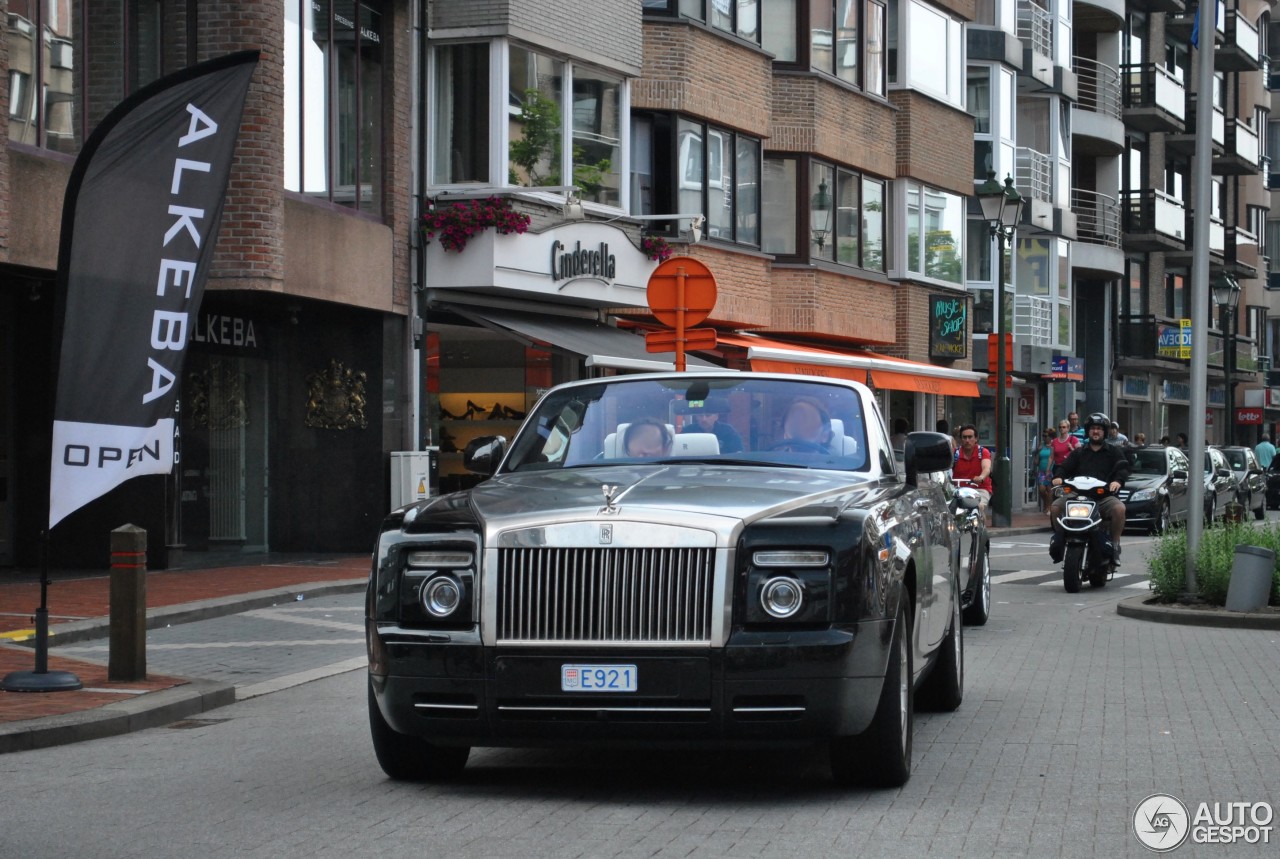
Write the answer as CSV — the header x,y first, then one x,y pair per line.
x,y
667,493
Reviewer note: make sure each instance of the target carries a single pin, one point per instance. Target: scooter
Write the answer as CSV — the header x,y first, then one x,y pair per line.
x,y
975,553
1088,552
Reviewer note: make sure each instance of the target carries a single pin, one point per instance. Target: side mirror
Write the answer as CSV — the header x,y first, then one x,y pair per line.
x,y
1179,474
484,454
926,452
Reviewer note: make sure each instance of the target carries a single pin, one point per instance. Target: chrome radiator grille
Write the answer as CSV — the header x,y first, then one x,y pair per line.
x,y
605,595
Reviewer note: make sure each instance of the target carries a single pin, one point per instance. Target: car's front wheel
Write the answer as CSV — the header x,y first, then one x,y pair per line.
x,y
944,688
881,755
1161,523
408,758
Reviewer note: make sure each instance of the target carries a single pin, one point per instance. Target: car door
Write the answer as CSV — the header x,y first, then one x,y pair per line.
x,y
1179,473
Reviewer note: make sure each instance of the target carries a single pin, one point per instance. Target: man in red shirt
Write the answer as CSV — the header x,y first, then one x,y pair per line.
x,y
973,463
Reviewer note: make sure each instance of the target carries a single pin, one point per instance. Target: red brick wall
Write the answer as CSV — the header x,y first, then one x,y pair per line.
x,y
697,73
814,115
934,142
815,301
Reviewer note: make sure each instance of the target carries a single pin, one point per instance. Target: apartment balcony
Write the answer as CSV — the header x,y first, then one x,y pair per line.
x,y
1153,222
1033,320
1155,343
1243,259
1185,143
1271,73
1217,245
1154,100
1174,7
1241,156
1036,32
1096,125
1180,24
1241,48
1097,253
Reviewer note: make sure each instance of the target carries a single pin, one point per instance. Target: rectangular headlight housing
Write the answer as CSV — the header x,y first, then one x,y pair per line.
x,y
439,559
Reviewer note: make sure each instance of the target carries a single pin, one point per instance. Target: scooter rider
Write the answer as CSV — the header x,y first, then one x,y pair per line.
x,y
1099,460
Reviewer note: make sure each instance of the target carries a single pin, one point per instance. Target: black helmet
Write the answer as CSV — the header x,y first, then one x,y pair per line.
x,y
1098,419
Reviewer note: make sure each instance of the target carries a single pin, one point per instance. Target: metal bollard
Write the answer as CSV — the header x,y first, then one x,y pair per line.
x,y
128,650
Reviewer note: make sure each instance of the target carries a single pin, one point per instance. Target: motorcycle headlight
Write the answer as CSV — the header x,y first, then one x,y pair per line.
x,y
1079,510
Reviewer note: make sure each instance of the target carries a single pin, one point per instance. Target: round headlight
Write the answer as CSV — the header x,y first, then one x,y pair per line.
x,y
781,596
441,596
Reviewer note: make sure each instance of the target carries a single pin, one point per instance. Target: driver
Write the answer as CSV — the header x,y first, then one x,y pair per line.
x,y
1097,459
809,422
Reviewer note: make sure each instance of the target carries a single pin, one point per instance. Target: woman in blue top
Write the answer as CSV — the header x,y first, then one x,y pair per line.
x,y
1044,469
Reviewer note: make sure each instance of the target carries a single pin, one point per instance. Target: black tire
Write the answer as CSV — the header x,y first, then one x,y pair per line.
x,y
1098,576
943,689
1071,565
1210,508
881,755
1163,520
1260,512
408,758
978,610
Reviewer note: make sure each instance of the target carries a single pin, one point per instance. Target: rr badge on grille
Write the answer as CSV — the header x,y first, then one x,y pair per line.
x,y
606,534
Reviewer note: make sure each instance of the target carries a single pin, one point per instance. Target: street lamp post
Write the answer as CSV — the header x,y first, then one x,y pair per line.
x,y
1226,292
1002,209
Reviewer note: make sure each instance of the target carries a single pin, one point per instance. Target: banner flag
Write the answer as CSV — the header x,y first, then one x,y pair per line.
x,y
139,224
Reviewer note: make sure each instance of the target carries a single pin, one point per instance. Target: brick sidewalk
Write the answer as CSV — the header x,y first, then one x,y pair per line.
x,y
81,598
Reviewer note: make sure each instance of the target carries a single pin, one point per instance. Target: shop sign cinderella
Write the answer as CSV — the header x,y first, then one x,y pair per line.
x,y
585,263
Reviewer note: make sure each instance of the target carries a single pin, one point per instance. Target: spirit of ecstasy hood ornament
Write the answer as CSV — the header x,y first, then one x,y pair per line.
x,y
609,508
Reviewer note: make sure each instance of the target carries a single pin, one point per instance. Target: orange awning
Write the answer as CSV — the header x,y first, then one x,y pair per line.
x,y
880,371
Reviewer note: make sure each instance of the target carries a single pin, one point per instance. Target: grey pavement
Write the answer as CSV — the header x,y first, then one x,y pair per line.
x,y
1072,716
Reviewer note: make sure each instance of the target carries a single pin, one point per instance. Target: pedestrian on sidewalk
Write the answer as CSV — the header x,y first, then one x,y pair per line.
x,y
1044,469
1265,451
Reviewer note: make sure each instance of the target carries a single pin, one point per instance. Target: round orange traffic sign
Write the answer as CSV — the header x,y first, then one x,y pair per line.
x,y
664,291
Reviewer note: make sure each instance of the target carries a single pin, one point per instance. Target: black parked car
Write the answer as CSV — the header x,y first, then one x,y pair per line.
x,y
1273,485
1251,482
1219,484
595,591
1155,496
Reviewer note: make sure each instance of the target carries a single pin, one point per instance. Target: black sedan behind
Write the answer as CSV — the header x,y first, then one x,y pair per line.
x,y
1155,496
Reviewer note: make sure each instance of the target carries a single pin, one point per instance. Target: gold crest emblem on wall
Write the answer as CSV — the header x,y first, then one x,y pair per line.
x,y
336,398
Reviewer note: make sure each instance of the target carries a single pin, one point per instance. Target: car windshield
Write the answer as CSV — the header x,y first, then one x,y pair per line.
x,y
1236,458
781,422
1149,462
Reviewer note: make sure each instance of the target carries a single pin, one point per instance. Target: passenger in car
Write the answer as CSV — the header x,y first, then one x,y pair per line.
x,y
807,420
647,437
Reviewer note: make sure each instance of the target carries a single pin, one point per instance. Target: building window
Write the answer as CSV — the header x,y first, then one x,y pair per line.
x,y
925,50
935,233
691,168
560,124
739,17
841,38
841,216
333,81
1177,305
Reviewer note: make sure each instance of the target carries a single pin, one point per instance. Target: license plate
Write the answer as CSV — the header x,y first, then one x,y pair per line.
x,y
598,678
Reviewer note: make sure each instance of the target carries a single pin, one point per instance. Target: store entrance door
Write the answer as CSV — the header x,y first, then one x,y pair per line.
x,y
225,477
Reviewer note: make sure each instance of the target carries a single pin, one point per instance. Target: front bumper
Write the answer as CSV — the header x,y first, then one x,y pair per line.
x,y
762,688
1142,514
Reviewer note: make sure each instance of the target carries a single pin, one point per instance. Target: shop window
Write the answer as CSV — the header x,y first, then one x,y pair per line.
x,y
333,80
